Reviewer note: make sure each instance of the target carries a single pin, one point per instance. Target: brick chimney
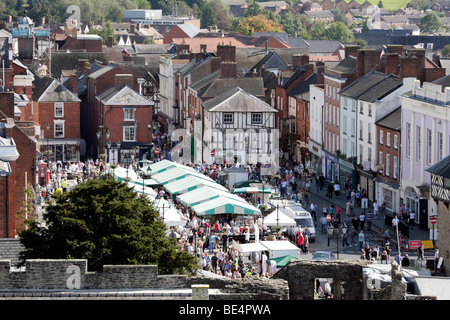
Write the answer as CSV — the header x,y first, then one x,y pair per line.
x,y
226,52
395,48
351,50
391,63
7,103
215,64
437,59
82,64
300,60
228,69
408,65
74,82
420,62
320,69
368,60
120,79
132,28
109,42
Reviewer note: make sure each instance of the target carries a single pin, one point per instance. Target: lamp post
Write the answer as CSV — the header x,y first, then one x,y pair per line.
x,y
108,147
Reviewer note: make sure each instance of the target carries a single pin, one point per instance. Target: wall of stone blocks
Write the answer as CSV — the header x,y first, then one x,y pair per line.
x,y
72,274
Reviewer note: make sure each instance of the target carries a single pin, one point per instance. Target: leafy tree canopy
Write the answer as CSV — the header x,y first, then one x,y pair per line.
x,y
260,23
105,222
430,22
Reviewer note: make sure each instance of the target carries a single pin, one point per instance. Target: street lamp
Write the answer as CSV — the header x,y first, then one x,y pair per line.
x,y
108,147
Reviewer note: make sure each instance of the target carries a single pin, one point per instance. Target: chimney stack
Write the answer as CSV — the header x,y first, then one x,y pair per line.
x,y
391,63
300,60
226,52
351,50
74,82
121,79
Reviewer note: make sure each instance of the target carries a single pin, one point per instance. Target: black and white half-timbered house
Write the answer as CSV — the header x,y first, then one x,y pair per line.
x,y
239,128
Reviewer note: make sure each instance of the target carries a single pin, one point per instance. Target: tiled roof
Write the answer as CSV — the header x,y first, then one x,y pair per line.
x,y
372,86
392,120
238,100
441,168
252,85
346,66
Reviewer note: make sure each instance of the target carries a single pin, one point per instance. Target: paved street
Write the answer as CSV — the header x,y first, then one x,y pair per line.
x,y
372,237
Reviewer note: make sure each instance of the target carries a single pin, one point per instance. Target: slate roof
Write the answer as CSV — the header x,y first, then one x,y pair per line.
x,y
441,168
302,90
392,120
236,99
372,86
47,89
443,82
347,66
190,30
252,85
270,61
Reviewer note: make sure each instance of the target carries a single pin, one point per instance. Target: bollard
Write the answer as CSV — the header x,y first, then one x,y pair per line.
x,y
200,291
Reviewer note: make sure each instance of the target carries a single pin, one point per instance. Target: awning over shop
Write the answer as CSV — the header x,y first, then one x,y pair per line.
x,y
223,205
205,193
190,183
246,183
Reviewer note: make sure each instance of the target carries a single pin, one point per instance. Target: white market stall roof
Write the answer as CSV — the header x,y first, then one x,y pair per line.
x,y
176,173
280,245
279,219
205,193
164,165
190,183
224,205
248,247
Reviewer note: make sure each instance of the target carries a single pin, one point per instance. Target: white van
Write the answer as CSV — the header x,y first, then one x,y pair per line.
x,y
303,219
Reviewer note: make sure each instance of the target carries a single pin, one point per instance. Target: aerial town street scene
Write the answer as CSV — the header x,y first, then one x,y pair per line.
x,y
191,151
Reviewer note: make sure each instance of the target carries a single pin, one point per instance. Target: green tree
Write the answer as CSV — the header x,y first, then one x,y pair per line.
x,y
419,4
339,16
105,222
380,4
338,31
207,16
430,22
253,9
318,30
446,50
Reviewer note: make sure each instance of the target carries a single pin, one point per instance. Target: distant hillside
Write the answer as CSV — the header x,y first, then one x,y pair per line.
x,y
388,4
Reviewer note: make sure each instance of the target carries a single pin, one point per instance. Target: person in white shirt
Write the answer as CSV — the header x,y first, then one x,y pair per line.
x,y
375,209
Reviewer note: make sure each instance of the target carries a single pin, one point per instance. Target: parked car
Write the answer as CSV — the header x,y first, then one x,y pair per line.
x,y
323,255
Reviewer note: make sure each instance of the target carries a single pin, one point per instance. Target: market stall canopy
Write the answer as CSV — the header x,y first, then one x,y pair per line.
x,y
248,247
246,183
224,205
190,183
279,219
163,165
253,190
204,193
176,173
171,217
281,261
147,191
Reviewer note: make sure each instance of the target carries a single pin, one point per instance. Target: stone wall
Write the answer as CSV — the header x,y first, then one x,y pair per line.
x,y
73,274
302,274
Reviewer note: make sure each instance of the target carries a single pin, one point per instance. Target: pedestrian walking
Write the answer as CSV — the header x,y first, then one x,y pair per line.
x,y
354,235
420,252
362,219
369,220
412,217
313,211
375,209
361,239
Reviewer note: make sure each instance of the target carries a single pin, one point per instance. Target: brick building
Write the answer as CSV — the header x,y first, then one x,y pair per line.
x,y
388,141
18,150
125,116
58,112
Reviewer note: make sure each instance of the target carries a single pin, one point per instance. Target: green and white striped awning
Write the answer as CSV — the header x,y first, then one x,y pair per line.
x,y
176,173
203,194
224,205
253,190
163,165
190,183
